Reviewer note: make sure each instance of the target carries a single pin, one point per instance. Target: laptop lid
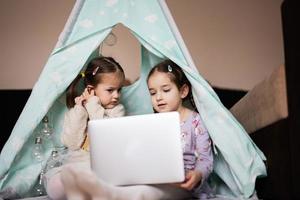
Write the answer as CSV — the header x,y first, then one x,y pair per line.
x,y
141,149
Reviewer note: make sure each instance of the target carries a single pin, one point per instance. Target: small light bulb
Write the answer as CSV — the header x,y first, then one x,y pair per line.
x,y
53,161
39,189
46,131
37,151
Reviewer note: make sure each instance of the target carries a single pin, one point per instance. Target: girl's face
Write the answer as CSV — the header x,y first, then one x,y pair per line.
x,y
109,89
165,95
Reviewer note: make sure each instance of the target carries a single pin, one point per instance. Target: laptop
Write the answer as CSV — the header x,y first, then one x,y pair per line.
x,y
140,149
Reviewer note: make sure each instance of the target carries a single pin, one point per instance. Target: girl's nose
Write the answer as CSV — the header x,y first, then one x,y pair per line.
x,y
158,96
116,94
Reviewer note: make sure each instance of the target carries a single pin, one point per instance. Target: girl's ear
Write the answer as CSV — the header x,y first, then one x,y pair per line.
x,y
184,91
89,87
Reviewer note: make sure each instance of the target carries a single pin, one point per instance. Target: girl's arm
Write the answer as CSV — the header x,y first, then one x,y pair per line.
x,y
204,163
74,127
94,108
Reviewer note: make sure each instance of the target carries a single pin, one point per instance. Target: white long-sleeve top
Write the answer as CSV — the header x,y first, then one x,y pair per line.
x,y
75,125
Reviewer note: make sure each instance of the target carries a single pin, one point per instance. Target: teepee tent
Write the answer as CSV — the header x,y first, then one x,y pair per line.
x,y
237,159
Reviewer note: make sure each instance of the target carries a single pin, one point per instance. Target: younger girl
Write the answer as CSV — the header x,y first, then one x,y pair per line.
x,y
169,88
103,79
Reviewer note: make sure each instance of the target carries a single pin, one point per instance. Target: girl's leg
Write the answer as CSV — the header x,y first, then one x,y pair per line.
x,y
54,187
71,188
88,183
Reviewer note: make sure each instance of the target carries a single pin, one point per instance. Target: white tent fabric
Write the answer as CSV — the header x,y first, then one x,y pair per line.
x,y
237,159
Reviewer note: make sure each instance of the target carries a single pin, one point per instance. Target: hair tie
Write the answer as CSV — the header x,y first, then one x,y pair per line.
x,y
95,70
170,68
82,74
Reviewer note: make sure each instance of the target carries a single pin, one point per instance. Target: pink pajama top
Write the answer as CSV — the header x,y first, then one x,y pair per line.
x,y
197,152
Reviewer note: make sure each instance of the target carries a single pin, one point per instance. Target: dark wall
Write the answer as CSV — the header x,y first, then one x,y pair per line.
x,y
12,103
229,97
272,140
291,37
281,141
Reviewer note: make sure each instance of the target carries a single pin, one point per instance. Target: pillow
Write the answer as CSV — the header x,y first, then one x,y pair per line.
x,y
265,104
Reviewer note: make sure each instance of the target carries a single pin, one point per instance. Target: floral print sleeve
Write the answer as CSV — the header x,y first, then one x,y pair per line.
x,y
203,150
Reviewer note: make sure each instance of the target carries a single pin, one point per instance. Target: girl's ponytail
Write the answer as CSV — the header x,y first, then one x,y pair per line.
x,y
72,92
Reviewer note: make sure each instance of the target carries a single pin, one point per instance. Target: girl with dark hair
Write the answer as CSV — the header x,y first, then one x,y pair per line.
x,y
103,80
169,88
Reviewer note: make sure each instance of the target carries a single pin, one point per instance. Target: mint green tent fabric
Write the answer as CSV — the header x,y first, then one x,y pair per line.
x,y
237,159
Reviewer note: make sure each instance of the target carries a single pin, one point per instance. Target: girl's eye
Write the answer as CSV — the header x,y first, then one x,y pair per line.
x,y
152,93
110,90
166,90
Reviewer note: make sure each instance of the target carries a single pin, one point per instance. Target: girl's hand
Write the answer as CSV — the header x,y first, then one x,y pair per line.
x,y
88,93
79,100
192,178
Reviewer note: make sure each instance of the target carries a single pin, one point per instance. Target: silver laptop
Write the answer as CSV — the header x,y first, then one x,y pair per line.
x,y
141,149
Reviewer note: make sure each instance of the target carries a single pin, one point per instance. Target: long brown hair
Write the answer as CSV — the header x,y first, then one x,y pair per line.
x,y
92,75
